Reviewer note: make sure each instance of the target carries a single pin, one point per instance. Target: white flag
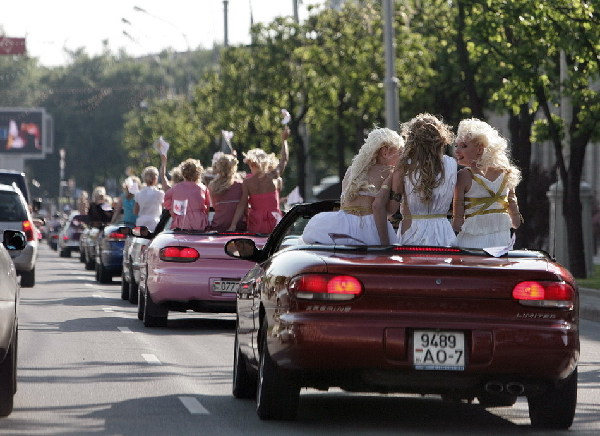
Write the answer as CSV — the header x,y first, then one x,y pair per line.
x,y
162,146
180,207
286,116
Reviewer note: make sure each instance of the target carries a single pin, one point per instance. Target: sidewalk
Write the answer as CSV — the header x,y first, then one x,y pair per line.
x,y
589,301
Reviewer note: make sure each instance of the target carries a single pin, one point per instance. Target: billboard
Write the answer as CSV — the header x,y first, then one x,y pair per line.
x,y
12,46
23,132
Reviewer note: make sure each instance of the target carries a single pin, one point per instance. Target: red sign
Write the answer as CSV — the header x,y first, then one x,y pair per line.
x,y
12,46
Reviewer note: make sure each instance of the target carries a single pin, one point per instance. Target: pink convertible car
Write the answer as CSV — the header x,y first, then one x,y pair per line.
x,y
189,270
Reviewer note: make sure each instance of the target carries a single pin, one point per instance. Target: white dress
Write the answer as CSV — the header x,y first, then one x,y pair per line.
x,y
430,224
487,222
150,200
343,228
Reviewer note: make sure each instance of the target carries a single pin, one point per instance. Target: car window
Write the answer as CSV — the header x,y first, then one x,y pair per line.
x,y
11,207
293,232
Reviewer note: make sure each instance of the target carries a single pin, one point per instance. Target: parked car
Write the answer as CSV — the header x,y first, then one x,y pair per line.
x,y
15,215
8,177
109,252
188,270
425,320
68,238
87,247
13,240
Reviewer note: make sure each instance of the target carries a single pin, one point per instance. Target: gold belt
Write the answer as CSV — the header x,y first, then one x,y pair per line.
x,y
427,217
358,210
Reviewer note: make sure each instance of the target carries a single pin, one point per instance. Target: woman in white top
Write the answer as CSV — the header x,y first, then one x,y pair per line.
x,y
149,200
354,223
424,180
485,204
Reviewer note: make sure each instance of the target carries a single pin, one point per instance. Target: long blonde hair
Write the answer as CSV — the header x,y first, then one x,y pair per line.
x,y
266,162
495,148
365,158
225,168
426,138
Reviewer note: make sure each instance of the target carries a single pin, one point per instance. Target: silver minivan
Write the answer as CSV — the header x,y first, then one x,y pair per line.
x,y
14,215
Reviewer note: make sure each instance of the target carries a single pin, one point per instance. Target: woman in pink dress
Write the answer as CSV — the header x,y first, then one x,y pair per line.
x,y
225,193
261,190
189,201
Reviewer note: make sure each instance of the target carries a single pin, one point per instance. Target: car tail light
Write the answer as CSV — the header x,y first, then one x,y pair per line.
x,y
28,230
325,287
544,294
116,236
65,238
178,254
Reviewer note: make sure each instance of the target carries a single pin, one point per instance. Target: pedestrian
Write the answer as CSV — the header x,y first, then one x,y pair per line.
x,y
485,204
354,223
189,201
424,181
149,200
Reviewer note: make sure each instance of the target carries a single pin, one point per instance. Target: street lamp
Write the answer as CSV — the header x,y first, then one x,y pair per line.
x,y
391,81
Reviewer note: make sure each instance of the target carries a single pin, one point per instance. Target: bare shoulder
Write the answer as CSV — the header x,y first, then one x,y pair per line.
x,y
464,177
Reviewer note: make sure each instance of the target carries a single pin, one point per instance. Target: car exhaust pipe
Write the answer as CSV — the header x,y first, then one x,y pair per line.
x,y
494,387
515,388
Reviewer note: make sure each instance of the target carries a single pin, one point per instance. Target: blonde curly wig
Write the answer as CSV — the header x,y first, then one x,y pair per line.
x,y
266,162
426,138
495,148
365,159
224,168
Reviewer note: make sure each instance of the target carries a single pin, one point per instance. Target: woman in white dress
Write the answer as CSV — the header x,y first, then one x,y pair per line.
x,y
353,224
149,200
424,181
485,204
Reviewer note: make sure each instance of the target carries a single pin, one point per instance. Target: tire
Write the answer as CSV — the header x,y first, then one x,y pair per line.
x,y
81,256
243,384
65,252
28,278
141,304
103,275
124,288
133,289
277,394
555,408
155,315
90,264
8,379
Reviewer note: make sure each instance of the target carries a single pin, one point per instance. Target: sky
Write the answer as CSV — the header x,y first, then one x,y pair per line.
x,y
51,26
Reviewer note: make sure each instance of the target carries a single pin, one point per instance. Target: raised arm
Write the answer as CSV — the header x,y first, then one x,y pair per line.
x,y
162,172
380,204
285,154
241,207
513,210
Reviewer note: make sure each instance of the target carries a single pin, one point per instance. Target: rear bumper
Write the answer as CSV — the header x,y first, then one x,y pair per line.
x,y
379,353
25,261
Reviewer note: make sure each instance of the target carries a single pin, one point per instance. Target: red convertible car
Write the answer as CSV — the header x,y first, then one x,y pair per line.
x,y
426,320
188,270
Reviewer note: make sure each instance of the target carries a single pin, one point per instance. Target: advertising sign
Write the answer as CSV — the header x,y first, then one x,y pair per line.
x,y
22,131
12,46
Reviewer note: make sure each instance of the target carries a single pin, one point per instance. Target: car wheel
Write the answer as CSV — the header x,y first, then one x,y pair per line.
x,y
155,315
89,263
244,385
103,275
141,304
81,256
133,289
124,288
8,379
555,408
28,278
65,252
277,394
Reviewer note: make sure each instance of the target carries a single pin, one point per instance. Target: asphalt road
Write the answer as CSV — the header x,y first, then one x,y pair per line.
x,y
87,366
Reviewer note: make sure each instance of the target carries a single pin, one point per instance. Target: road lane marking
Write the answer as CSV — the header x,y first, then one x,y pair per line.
x,y
107,309
194,406
125,329
151,359
91,285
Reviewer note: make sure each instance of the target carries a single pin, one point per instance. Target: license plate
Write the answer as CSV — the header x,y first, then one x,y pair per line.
x,y
439,350
225,286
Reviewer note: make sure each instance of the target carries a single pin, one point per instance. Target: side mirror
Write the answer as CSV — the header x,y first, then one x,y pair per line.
x,y
141,231
241,248
14,240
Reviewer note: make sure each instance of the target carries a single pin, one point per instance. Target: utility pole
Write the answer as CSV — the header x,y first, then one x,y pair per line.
x,y
391,81
225,23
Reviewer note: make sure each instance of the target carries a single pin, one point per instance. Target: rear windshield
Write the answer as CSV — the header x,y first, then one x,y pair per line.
x,y
10,178
11,207
79,221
